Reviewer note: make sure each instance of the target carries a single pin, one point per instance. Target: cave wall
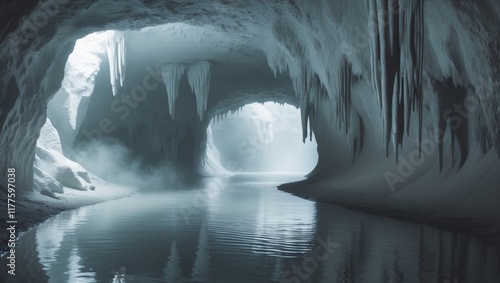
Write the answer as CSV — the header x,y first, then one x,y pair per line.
x,y
370,101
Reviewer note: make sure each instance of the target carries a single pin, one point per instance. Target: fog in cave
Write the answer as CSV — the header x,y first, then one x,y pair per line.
x,y
250,141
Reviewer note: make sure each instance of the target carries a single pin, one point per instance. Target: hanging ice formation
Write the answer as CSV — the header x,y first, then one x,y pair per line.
x,y
347,118
199,80
198,75
171,74
310,86
224,110
310,90
116,48
344,97
397,64
312,93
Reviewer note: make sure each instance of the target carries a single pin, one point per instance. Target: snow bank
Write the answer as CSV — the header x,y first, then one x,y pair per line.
x,y
52,169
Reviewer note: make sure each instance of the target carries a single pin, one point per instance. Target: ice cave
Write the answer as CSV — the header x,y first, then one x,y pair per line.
x,y
250,141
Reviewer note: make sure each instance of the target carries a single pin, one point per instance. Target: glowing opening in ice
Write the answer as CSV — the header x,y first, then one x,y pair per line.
x,y
263,138
51,168
80,72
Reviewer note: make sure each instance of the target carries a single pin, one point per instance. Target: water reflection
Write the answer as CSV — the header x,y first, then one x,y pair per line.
x,y
58,249
201,267
173,270
242,229
376,249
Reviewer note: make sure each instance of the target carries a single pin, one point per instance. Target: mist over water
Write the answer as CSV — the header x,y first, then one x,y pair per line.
x,y
113,162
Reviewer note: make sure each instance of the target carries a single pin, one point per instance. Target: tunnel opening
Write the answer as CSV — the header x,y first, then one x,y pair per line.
x,y
261,138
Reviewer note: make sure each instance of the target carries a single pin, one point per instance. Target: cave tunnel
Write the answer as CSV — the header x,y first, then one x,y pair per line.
x,y
218,133
260,138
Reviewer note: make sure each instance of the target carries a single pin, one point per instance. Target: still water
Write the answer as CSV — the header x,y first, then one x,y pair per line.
x,y
242,229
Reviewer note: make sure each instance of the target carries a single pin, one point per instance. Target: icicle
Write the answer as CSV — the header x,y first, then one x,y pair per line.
x,y
199,80
407,103
375,50
420,69
344,97
171,74
397,62
304,111
384,54
116,48
395,115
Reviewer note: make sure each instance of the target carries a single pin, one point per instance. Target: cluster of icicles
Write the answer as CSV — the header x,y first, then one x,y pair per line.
x,y
116,56
397,65
396,42
198,74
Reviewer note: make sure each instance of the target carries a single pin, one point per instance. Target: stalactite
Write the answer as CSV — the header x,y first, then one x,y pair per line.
x,y
417,52
396,118
304,112
356,135
171,75
344,102
397,65
199,79
375,49
116,49
310,91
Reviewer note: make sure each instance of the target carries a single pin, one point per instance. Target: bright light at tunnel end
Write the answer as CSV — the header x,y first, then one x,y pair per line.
x,y
263,138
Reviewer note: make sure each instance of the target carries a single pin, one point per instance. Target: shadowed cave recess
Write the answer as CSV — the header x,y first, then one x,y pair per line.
x,y
401,97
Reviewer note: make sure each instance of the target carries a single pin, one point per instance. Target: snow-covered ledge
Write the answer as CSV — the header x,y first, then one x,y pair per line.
x,y
52,169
